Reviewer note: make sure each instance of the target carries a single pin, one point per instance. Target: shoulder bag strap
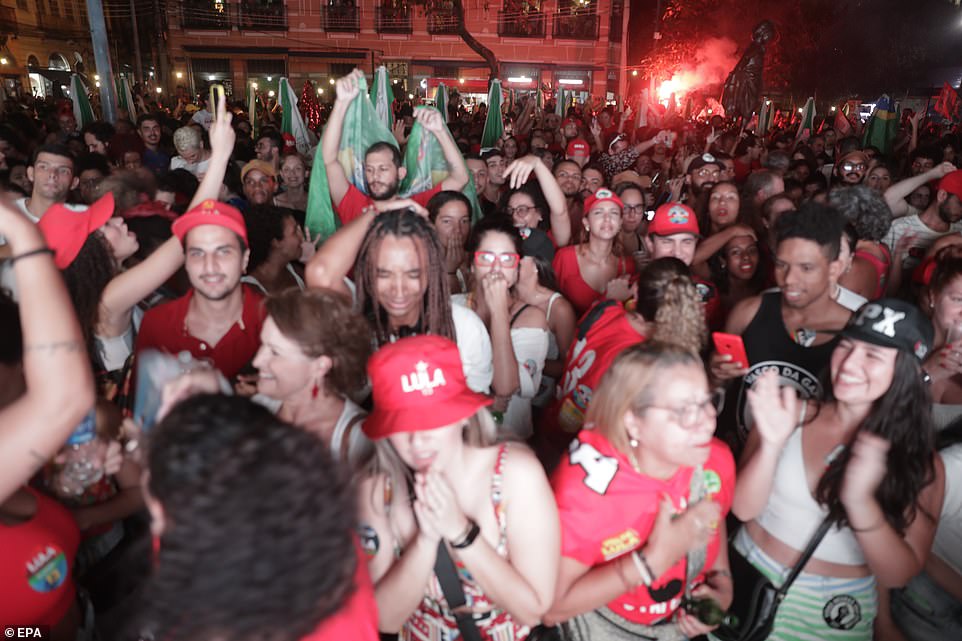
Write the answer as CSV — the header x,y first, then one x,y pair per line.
x,y
454,594
806,555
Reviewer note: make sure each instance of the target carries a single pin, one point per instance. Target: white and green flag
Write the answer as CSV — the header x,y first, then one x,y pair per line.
x,y
807,123
125,98
82,111
383,96
441,100
494,124
291,121
252,108
764,118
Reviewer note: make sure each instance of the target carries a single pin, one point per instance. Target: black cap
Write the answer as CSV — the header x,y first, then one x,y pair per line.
x,y
536,243
702,160
890,322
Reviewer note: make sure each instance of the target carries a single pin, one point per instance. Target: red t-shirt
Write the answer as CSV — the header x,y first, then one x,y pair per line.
x,y
357,619
607,510
602,334
36,565
164,328
354,202
580,294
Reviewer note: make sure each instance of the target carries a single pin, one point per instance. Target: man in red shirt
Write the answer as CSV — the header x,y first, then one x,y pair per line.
x,y
219,319
383,171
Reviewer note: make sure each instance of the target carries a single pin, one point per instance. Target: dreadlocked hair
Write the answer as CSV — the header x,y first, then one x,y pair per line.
x,y
86,278
668,298
435,314
902,416
257,543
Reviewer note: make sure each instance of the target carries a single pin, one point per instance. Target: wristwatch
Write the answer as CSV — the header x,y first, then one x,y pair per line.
x,y
466,539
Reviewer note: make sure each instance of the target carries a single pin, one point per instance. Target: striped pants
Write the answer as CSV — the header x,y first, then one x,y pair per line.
x,y
817,607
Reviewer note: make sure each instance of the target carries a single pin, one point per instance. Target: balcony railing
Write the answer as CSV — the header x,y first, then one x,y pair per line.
x,y
389,19
576,25
442,21
530,25
341,18
263,16
204,14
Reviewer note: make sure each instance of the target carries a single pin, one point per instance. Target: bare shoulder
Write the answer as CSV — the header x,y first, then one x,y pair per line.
x,y
532,317
742,314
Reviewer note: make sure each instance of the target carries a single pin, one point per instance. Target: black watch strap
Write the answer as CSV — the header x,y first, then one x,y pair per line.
x,y
468,538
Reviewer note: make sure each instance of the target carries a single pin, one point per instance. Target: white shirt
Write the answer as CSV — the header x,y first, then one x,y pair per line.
x,y
909,238
198,168
948,537
474,344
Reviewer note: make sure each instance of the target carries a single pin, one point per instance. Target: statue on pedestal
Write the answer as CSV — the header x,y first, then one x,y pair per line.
x,y
743,88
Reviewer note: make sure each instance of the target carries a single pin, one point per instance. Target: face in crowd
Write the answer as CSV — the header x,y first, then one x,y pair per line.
x,y
215,261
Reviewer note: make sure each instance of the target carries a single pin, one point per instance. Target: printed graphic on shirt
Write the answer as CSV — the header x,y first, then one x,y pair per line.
x,y
789,375
842,612
47,570
619,544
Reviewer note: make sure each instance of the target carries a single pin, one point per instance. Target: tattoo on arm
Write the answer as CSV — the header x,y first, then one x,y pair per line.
x,y
70,346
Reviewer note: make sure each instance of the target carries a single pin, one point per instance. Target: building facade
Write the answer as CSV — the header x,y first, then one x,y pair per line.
x,y
41,43
575,44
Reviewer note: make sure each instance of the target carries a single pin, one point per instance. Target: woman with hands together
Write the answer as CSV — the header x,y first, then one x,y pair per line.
x,y
437,486
865,458
642,496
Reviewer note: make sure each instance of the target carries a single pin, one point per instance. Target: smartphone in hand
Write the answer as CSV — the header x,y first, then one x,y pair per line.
x,y
732,345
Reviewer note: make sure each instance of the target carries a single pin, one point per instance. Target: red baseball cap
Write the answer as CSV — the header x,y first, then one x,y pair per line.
x,y
211,212
952,183
417,384
674,218
66,230
603,195
578,147
570,121
290,144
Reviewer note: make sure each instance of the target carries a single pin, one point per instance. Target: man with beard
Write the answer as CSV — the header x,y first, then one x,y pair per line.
x,y
910,237
793,329
568,175
383,169
703,172
155,158
219,319
851,168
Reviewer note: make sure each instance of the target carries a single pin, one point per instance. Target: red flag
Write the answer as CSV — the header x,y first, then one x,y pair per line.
x,y
948,102
842,124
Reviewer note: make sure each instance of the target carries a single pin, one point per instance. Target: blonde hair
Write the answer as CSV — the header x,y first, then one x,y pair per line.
x,y
187,138
480,430
668,298
633,381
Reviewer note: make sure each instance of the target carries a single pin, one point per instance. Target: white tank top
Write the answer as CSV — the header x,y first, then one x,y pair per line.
x,y
792,514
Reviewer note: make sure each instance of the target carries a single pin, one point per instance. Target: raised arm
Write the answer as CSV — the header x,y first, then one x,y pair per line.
x,y
710,246
517,175
59,378
896,194
431,120
775,412
347,89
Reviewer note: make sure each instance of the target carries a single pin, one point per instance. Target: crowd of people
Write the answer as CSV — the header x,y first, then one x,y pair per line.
x,y
505,407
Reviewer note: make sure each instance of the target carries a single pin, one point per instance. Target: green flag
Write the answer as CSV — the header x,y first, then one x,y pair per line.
x,y
125,98
83,113
441,100
252,108
291,121
882,127
764,118
362,128
426,167
383,96
807,122
494,125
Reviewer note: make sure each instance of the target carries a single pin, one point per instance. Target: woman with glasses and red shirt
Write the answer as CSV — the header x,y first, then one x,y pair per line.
x,y
642,494
518,331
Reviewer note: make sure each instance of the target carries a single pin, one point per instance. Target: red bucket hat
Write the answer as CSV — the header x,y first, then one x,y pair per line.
x,y
211,212
417,384
66,230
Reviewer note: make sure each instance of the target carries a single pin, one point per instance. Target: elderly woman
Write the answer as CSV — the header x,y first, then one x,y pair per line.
x,y
311,361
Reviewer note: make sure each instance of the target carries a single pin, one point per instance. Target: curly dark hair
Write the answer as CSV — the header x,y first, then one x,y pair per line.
x,y
865,209
86,278
435,317
323,323
902,416
257,543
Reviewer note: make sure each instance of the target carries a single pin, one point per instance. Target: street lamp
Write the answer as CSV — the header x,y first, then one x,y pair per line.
x,y
159,90
254,85
3,61
269,78
320,91
180,75
271,93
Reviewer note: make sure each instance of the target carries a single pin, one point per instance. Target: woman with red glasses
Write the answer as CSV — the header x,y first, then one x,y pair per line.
x,y
519,332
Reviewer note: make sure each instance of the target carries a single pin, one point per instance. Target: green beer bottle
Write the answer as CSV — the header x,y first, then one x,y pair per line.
x,y
707,610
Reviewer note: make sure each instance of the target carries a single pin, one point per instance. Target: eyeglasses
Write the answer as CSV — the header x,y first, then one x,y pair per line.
x,y
853,166
634,209
488,259
521,210
705,173
687,415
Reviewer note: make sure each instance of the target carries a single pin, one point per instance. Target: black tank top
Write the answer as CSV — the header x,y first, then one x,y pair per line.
x,y
769,345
